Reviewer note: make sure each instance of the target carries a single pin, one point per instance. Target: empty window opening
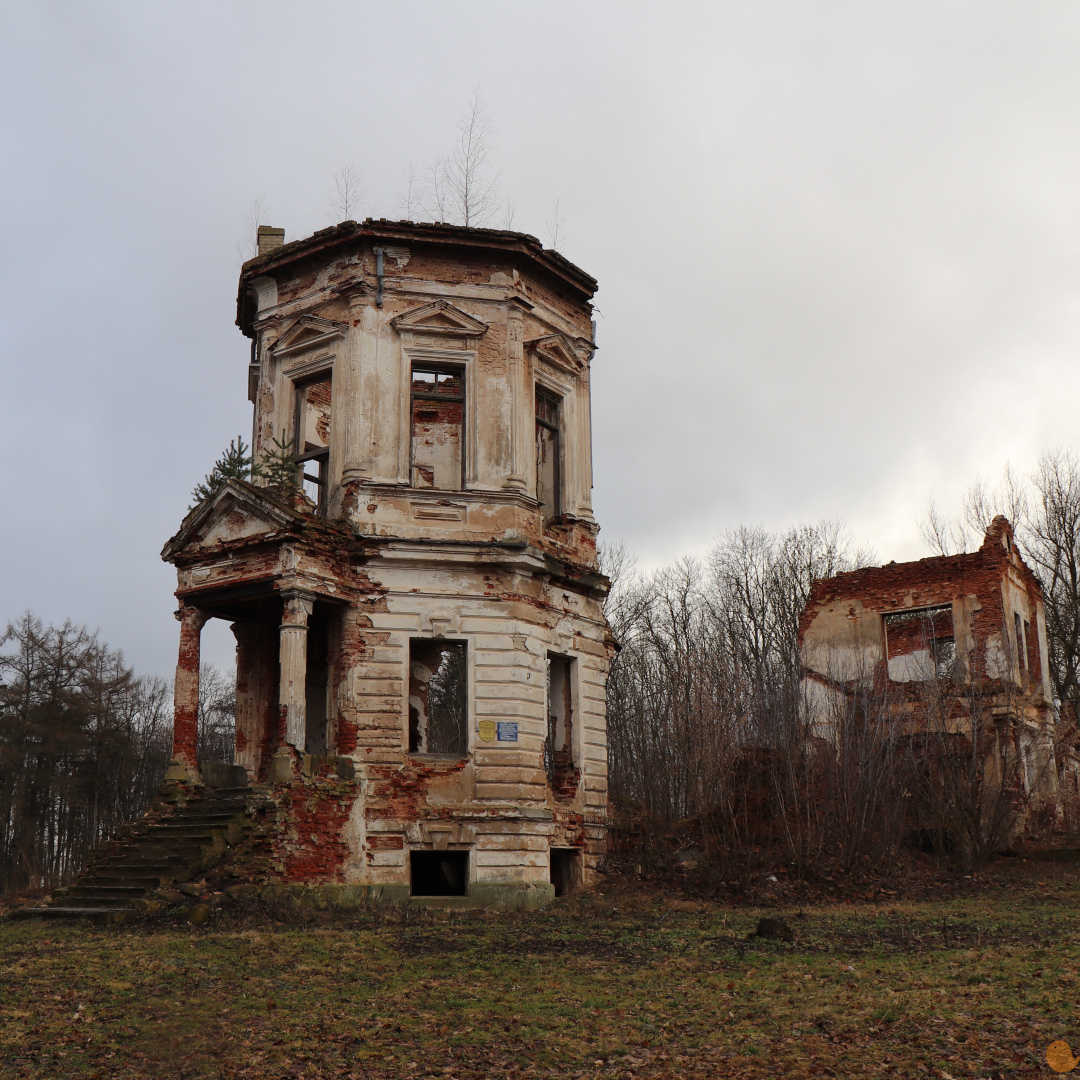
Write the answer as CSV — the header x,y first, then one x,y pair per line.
x,y
438,702
547,454
312,427
559,740
565,870
438,424
316,704
920,644
440,873
1021,651
1031,651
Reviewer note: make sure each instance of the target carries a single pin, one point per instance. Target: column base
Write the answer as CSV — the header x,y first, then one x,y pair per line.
x,y
183,771
282,768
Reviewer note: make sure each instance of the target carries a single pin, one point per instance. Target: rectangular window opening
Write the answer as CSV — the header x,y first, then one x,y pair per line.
x,y
438,701
1031,651
439,873
920,644
1021,652
548,465
438,429
565,870
312,438
559,738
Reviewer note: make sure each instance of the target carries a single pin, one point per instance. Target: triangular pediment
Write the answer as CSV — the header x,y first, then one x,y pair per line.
x,y
556,349
237,511
440,317
306,333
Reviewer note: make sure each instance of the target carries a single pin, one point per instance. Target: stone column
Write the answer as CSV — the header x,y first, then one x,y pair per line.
x,y
356,465
583,444
521,437
185,765
292,696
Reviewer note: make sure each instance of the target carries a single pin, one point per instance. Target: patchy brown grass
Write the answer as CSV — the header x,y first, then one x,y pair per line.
x,y
619,983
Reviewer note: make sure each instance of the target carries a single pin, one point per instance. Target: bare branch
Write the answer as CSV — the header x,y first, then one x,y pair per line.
x,y
509,213
460,186
258,213
409,197
347,193
556,227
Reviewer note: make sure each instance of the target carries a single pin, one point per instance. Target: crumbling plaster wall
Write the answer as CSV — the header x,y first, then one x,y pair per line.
x,y
371,349
499,797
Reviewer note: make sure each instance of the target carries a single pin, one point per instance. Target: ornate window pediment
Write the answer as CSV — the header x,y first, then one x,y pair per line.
x,y
558,351
441,319
308,332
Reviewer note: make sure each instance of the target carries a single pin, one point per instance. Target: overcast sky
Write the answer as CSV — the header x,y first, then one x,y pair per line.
x,y
838,247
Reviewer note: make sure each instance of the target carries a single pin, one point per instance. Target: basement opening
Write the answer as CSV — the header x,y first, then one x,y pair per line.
x,y
565,870
439,873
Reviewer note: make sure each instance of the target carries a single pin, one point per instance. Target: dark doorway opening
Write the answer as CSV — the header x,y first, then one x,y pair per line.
x,y
440,873
318,679
565,870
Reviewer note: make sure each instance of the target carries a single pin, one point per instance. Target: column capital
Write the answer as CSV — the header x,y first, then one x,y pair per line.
x,y
192,616
298,607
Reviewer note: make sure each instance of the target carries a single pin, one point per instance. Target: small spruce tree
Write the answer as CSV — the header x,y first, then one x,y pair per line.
x,y
234,464
279,465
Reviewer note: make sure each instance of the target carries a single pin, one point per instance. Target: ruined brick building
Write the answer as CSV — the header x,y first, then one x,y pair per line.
x,y
940,640
421,646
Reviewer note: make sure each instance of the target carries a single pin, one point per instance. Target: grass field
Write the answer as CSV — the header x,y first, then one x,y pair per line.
x,y
614,985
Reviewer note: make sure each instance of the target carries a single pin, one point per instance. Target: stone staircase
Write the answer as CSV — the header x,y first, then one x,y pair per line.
x,y
157,851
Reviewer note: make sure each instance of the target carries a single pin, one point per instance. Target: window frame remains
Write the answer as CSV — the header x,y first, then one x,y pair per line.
x,y
441,371
319,457
549,422
941,647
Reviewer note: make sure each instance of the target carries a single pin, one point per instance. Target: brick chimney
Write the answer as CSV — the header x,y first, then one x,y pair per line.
x,y
270,238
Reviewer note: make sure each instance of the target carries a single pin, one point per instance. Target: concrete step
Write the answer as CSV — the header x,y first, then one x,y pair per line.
x,y
93,899
97,913
105,892
126,881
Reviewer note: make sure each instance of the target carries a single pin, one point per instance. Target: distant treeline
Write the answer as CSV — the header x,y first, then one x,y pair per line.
x,y
84,745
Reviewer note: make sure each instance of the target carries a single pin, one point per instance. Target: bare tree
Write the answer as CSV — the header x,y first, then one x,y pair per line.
x,y
84,745
1051,540
460,185
509,214
556,227
948,535
409,197
258,213
217,714
347,193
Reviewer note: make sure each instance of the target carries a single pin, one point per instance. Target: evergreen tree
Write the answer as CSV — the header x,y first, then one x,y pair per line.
x,y
234,464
